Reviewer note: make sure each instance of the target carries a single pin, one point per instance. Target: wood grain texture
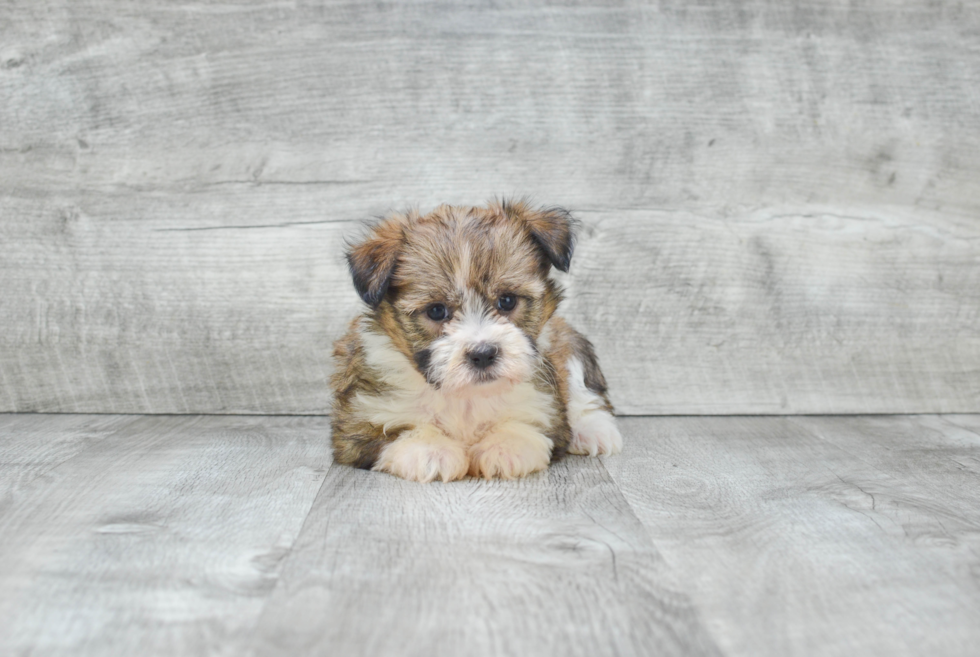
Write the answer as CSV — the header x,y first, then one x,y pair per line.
x,y
780,198
162,537
782,313
555,564
723,536
816,536
33,445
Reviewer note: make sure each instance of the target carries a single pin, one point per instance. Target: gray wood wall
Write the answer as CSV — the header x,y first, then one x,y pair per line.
x,y
781,200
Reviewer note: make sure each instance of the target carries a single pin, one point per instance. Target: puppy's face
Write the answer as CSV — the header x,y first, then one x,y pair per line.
x,y
464,292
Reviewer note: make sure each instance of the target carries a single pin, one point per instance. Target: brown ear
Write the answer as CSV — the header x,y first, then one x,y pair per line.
x,y
372,262
553,229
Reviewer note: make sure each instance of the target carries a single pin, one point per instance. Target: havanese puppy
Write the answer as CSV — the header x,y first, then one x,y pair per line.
x,y
460,366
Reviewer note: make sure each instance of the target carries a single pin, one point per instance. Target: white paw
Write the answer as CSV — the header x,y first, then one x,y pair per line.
x,y
512,451
424,454
595,433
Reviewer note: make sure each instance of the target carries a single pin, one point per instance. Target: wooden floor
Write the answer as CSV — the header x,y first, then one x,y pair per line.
x,y
193,535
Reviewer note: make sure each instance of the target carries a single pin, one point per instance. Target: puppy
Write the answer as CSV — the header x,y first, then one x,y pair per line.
x,y
460,365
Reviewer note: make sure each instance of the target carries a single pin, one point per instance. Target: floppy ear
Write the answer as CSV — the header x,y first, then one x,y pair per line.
x,y
372,262
553,229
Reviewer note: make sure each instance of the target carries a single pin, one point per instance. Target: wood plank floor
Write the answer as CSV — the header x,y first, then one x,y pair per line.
x,y
199,535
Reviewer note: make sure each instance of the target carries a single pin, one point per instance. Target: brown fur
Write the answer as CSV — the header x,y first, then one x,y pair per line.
x,y
566,342
355,441
409,262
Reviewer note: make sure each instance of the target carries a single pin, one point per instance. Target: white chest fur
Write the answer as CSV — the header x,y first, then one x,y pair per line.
x,y
465,416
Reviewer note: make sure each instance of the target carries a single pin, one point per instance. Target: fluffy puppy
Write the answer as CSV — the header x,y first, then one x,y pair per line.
x,y
459,366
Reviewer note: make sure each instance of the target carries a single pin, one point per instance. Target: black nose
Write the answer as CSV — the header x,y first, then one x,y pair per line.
x,y
483,356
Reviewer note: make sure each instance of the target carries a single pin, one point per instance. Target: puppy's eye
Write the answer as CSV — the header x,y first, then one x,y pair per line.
x,y
437,312
506,302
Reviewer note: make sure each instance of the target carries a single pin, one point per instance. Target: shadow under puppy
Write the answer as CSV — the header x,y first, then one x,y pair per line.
x,y
460,365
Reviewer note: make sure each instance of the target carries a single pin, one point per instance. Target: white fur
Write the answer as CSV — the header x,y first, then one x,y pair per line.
x,y
594,430
424,454
473,326
512,450
499,424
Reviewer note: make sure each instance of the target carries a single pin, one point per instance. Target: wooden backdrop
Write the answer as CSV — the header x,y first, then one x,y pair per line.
x,y
781,200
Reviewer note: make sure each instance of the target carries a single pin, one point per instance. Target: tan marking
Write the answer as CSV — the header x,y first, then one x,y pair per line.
x,y
457,255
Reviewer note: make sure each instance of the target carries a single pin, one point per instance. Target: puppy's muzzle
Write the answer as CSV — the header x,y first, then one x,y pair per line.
x,y
483,356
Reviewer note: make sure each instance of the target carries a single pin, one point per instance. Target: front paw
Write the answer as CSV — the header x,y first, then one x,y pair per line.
x,y
424,454
595,433
510,452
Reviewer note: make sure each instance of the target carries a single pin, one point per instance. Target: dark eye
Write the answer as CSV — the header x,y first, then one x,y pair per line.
x,y
506,302
437,312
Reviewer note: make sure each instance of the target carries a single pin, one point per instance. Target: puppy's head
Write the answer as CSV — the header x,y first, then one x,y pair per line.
x,y
464,292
